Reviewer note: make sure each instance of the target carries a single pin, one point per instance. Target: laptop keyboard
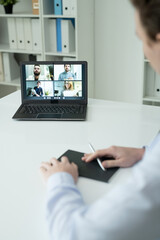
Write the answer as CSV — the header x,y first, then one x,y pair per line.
x,y
34,109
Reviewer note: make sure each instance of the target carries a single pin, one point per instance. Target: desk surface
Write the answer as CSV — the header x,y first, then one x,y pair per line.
x,y
24,145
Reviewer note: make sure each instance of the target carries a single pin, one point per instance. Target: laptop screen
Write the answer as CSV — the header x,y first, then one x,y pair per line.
x,y
54,80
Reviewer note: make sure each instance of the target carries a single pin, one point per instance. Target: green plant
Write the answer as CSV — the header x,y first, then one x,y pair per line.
x,y
47,93
8,2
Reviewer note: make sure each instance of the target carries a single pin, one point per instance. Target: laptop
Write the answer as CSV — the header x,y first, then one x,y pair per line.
x,y
53,90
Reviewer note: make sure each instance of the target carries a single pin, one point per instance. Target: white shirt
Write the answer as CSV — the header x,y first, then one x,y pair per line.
x,y
69,93
41,77
130,212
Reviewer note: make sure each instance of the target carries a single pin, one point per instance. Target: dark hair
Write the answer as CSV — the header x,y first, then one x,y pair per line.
x,y
38,81
36,65
149,11
67,64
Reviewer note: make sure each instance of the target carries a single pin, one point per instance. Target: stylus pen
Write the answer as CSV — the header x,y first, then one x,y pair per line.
x,y
98,160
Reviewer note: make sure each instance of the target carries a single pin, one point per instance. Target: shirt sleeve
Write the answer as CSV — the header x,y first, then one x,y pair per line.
x,y
131,211
60,76
72,75
63,201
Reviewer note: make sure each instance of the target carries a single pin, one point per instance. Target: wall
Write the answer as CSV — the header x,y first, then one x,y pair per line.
x,y
118,52
85,38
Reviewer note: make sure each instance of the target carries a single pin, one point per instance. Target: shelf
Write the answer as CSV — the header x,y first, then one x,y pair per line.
x,y
15,83
5,48
151,99
56,16
25,15
60,54
38,29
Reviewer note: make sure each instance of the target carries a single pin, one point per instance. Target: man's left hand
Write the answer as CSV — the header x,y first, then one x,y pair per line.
x,y
49,168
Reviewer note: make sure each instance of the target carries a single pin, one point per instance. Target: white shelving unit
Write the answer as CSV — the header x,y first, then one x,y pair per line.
x,y
84,37
151,85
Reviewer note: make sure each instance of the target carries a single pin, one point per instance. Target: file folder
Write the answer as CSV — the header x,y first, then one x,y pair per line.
x,y
69,7
66,8
1,69
157,85
36,35
73,7
68,36
58,7
12,33
90,170
28,33
59,34
51,37
20,33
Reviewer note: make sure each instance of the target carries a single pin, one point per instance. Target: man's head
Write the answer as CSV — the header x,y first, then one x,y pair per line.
x,y
67,67
37,70
38,83
147,18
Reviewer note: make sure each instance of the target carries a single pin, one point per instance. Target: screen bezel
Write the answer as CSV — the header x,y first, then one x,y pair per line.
x,y
55,101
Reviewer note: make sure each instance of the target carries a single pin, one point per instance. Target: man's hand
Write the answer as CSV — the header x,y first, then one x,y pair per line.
x,y
124,156
49,168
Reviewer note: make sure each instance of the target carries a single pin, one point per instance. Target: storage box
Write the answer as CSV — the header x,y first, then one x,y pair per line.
x,y
35,7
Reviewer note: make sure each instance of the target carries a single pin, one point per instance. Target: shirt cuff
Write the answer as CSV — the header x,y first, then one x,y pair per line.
x,y
145,148
58,179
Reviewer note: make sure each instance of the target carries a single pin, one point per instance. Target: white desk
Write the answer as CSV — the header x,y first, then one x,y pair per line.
x,y
24,145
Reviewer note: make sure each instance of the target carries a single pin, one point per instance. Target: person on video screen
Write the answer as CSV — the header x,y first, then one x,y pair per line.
x,y
38,90
37,74
66,75
68,90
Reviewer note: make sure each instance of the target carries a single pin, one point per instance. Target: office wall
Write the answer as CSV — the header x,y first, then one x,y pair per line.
x,y
118,52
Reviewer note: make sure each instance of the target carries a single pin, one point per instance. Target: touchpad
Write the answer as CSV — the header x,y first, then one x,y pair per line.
x,y
49,115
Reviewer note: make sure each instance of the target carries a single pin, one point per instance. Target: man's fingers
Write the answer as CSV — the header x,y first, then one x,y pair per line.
x,y
54,161
96,154
89,157
111,163
45,165
42,170
74,165
108,152
86,155
64,159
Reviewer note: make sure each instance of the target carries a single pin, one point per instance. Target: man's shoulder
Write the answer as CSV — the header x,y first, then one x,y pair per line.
x,y
42,77
62,73
31,77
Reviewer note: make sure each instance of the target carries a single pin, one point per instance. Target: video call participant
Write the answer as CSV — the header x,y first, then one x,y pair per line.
x,y
67,73
69,91
38,90
37,74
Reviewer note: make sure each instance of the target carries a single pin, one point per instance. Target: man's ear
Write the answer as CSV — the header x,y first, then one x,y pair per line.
x,y
158,37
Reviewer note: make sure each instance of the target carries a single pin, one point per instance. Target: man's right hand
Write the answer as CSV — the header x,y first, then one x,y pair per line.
x,y
123,156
